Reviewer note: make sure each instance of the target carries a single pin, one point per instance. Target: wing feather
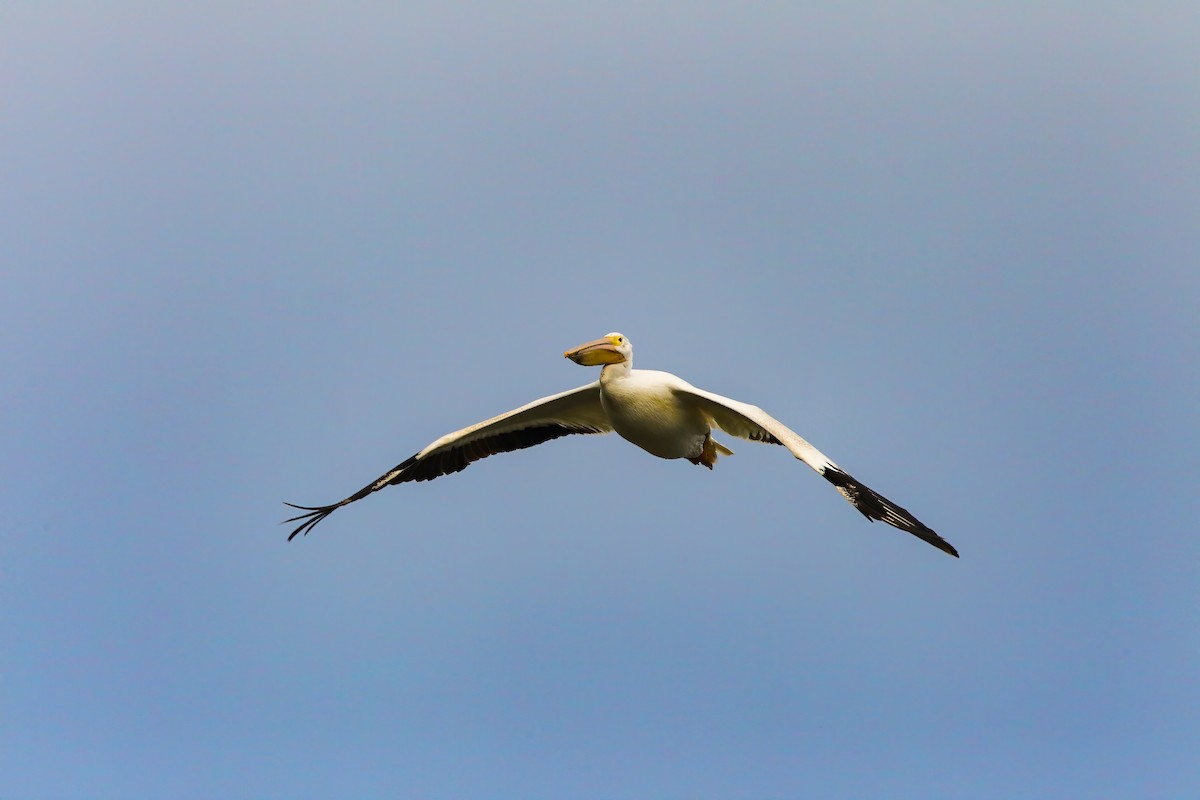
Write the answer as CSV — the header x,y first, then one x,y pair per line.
x,y
574,411
751,422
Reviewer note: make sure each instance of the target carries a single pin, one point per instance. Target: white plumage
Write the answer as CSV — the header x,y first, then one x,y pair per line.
x,y
659,412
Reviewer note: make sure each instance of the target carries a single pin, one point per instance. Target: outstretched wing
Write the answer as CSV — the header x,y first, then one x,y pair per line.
x,y
751,422
574,411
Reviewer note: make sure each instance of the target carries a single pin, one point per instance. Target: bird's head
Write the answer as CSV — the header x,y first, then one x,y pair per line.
x,y
611,349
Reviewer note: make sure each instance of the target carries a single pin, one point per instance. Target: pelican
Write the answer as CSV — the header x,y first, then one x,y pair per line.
x,y
662,414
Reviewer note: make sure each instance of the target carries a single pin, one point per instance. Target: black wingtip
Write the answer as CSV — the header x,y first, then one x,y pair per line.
x,y
875,506
938,542
314,515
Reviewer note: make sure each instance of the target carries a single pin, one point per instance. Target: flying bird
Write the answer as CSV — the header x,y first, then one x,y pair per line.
x,y
662,414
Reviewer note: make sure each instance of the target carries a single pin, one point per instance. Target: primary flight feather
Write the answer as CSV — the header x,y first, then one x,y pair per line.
x,y
659,412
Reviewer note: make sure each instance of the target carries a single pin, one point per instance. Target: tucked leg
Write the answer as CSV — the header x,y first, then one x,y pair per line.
x,y
708,454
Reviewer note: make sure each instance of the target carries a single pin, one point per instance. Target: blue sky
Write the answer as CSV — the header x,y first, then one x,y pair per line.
x,y
256,253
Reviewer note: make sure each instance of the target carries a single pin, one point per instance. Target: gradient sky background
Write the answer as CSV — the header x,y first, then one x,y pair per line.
x,y
257,252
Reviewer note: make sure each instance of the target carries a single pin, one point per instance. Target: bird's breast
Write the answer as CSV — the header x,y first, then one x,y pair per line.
x,y
654,418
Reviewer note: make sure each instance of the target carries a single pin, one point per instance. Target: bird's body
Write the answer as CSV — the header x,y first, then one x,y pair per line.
x,y
657,411
644,409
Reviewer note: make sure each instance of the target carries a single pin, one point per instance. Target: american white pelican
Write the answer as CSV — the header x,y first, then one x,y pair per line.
x,y
660,413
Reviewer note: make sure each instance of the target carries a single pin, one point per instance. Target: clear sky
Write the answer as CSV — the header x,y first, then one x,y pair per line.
x,y
256,252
